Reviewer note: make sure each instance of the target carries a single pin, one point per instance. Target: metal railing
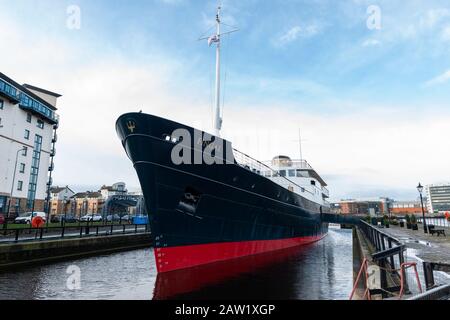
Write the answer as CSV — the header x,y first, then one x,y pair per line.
x,y
439,293
262,169
387,249
438,222
61,232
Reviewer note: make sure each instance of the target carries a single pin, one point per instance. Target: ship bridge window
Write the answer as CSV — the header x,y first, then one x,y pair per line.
x,y
299,173
283,173
291,173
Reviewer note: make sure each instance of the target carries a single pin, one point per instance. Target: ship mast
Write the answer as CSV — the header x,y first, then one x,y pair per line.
x,y
216,38
217,123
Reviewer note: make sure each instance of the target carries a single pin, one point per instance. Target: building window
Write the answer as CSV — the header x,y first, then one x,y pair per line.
x,y
22,168
1,104
29,117
25,151
40,124
27,134
19,185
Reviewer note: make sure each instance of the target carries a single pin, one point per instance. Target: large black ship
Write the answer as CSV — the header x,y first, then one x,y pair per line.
x,y
201,213
208,202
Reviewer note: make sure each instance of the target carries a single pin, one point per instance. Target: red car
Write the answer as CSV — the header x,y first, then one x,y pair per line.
x,y
2,219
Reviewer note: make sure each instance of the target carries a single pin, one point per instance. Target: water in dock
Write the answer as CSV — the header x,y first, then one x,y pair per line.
x,y
320,271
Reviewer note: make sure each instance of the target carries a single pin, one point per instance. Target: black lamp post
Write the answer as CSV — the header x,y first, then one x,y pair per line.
x,y
420,189
5,225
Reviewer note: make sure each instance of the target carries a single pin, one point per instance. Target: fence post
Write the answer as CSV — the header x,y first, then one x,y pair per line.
x,y
123,228
392,257
41,233
428,275
17,235
81,231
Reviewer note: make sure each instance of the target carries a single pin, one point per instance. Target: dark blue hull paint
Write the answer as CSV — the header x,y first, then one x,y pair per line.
x,y
202,204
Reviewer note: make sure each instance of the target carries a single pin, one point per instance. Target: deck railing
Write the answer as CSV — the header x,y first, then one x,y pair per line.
x,y
263,169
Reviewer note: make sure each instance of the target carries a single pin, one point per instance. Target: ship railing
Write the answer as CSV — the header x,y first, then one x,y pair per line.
x,y
295,164
262,169
326,192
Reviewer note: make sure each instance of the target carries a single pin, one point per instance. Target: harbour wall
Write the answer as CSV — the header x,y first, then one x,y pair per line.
x,y
14,255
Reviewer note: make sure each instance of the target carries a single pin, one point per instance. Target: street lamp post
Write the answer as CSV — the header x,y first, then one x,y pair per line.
x,y
420,189
5,225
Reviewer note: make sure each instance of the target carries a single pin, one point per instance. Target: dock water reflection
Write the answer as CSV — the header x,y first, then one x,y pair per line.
x,y
319,271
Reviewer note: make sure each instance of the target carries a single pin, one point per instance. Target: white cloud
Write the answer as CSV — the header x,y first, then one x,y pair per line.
x,y
294,33
443,78
371,43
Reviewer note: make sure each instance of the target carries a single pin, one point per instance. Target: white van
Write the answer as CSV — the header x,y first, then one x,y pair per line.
x,y
26,218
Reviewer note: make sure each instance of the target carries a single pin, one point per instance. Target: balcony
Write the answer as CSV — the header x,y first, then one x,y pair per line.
x,y
30,104
9,92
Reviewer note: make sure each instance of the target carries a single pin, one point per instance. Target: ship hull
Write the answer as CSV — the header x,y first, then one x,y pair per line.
x,y
202,213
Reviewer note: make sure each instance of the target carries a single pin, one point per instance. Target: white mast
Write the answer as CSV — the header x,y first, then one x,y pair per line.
x,y
217,118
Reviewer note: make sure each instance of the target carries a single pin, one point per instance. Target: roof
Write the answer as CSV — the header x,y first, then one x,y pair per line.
x,y
60,189
29,86
88,194
25,90
57,189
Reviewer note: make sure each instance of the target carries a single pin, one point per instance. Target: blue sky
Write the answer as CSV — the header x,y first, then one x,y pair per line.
x,y
382,94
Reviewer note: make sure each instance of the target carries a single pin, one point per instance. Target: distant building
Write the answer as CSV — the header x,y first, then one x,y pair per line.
x,y
90,202
377,206
438,198
408,207
116,189
28,123
60,200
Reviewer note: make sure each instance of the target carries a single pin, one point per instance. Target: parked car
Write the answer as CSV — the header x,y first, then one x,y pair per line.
x,y
115,217
69,218
90,217
26,218
126,218
2,219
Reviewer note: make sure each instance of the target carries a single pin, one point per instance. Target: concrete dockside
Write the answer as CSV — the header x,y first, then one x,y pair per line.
x,y
429,248
15,255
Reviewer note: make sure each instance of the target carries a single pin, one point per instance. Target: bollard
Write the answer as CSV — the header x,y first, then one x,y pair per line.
x,y
41,233
17,235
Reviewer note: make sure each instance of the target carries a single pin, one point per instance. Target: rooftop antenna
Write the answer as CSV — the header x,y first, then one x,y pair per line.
x,y
216,38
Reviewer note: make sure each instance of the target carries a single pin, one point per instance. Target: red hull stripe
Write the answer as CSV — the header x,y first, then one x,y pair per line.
x,y
176,258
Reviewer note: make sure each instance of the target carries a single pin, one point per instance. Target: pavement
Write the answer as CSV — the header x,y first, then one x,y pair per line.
x,y
428,248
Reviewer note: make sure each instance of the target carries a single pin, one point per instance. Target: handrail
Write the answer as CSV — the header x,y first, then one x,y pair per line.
x,y
247,161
